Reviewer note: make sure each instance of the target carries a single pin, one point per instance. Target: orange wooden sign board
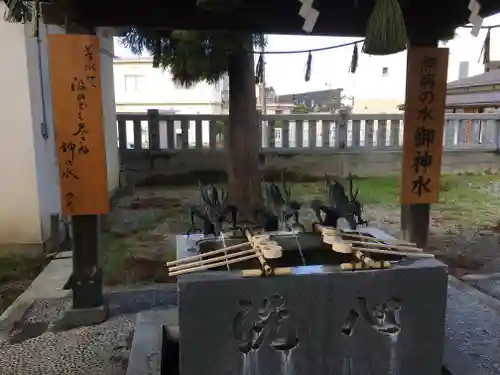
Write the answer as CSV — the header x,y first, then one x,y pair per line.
x,y
75,73
427,72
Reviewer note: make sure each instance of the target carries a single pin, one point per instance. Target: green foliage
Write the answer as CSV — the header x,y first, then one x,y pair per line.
x,y
300,109
18,11
191,56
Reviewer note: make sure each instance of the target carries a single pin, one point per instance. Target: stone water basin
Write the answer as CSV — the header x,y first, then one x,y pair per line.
x,y
318,320
304,249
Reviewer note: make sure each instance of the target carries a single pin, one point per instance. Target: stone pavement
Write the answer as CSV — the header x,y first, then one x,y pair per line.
x,y
101,349
472,331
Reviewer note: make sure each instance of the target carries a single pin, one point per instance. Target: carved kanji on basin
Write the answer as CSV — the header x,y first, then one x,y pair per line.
x,y
269,324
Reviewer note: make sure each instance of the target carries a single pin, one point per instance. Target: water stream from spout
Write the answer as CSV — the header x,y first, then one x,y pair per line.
x,y
299,246
287,367
251,363
295,233
223,240
393,360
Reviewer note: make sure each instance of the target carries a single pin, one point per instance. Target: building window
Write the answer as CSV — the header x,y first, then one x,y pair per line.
x,y
385,71
133,83
277,135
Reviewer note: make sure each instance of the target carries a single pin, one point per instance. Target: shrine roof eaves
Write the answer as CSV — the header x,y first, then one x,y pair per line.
x,y
489,78
337,17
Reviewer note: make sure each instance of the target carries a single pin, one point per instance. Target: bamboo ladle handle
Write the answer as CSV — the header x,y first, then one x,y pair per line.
x,y
332,237
207,254
267,270
212,265
211,260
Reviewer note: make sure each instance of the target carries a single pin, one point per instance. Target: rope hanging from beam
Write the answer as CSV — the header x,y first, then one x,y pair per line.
x,y
485,51
386,29
328,48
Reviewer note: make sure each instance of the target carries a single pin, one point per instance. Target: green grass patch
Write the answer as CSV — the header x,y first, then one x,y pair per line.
x,y
19,268
16,274
122,265
372,190
464,199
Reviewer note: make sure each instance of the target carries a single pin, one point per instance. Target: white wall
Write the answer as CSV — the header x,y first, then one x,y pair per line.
x,y
29,192
208,108
40,100
19,207
109,107
155,89
369,83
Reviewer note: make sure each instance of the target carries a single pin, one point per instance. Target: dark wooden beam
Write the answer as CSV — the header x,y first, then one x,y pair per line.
x,y
52,14
269,16
86,280
337,17
61,13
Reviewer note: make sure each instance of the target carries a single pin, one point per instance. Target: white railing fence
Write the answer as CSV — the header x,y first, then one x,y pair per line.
x,y
169,133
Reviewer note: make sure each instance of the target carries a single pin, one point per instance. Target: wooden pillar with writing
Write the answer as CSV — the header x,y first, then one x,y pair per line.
x,y
78,118
423,138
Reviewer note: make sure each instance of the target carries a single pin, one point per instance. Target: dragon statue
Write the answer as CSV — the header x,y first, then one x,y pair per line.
x,y
280,211
214,211
281,207
340,205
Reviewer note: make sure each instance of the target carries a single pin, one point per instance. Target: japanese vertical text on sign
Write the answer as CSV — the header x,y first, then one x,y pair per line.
x,y
79,132
423,124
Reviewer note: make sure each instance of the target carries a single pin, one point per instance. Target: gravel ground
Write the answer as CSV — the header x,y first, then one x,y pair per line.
x,y
465,250
101,349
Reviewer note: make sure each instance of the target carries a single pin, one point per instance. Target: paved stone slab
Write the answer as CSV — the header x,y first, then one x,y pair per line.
x,y
146,353
472,335
48,285
490,287
480,276
64,255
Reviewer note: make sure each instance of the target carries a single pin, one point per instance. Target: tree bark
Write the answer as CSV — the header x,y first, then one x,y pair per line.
x,y
243,165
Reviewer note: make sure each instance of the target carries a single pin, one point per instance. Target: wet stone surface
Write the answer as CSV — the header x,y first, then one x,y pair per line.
x,y
101,349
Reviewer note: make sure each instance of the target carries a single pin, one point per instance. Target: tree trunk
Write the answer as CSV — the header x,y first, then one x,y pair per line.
x,y
243,164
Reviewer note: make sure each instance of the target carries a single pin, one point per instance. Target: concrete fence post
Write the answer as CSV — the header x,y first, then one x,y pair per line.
x,y
154,129
497,132
341,128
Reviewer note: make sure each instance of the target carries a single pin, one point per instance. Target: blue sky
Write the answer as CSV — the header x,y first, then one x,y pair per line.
x,y
330,68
